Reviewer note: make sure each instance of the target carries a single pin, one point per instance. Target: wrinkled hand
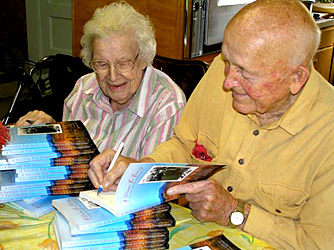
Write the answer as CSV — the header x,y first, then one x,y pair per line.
x,y
208,200
36,117
98,169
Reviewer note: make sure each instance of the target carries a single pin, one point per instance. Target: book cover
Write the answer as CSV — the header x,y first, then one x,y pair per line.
x,y
82,218
58,134
216,243
49,156
65,239
32,200
38,208
151,179
88,149
164,219
133,245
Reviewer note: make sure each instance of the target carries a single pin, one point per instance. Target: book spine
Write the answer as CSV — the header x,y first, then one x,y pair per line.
x,y
124,246
32,157
28,151
41,178
101,229
42,164
12,146
9,199
26,185
21,193
98,224
135,238
43,171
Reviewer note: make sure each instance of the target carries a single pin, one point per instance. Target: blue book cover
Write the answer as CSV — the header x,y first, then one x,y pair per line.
x,y
83,218
151,179
65,239
150,221
38,208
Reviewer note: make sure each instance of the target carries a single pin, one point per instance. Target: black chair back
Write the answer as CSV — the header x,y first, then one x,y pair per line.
x,y
49,82
186,73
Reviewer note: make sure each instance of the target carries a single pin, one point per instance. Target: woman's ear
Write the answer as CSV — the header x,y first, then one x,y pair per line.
x,y
300,77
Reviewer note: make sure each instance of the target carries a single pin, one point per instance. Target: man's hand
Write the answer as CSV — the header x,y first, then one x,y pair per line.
x,y
98,169
34,117
208,200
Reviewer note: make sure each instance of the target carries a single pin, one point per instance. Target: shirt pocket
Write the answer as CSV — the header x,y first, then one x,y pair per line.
x,y
280,199
209,144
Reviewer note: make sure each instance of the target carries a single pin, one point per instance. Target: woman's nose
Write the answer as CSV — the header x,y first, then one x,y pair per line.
x,y
113,73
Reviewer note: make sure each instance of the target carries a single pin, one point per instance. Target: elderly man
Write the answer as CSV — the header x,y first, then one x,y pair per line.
x,y
263,110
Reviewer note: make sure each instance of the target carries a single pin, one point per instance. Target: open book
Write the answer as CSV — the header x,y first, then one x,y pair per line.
x,y
143,185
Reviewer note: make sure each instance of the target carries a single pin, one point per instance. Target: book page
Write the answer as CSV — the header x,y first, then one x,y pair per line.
x,y
104,199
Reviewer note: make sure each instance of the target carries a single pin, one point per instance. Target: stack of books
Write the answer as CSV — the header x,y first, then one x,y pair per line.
x,y
45,159
79,226
136,216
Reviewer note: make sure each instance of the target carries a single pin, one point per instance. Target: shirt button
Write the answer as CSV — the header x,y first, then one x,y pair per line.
x,y
229,188
241,161
256,132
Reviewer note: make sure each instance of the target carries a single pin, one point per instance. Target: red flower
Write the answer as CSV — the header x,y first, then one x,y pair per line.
x,y
200,152
4,135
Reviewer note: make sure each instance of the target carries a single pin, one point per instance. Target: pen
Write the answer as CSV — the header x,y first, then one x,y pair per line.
x,y
112,163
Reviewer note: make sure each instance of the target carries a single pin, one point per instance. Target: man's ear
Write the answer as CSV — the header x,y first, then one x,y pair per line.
x,y
300,77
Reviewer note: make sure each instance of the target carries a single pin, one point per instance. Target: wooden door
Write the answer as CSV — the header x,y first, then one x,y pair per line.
x,y
168,18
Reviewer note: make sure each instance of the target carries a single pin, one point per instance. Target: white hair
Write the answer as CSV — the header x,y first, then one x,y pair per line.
x,y
119,18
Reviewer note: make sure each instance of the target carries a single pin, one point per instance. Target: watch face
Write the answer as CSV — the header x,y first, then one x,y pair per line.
x,y
237,218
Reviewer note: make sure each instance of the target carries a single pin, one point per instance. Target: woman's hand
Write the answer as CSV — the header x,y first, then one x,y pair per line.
x,y
98,169
34,117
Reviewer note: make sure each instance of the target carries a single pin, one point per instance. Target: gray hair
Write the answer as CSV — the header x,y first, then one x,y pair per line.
x,y
119,18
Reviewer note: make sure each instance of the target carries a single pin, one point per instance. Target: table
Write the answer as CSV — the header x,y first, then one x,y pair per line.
x,y
20,231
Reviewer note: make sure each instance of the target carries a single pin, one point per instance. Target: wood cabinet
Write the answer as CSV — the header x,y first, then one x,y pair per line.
x,y
170,19
323,60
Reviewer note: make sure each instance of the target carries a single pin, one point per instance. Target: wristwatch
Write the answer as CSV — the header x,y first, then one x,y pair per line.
x,y
237,217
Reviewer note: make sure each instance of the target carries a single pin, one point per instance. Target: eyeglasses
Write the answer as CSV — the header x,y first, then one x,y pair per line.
x,y
122,66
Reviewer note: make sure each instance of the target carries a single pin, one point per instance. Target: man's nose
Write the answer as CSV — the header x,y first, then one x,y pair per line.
x,y
232,78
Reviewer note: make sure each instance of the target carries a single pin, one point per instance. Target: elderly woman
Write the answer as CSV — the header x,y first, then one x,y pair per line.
x,y
125,99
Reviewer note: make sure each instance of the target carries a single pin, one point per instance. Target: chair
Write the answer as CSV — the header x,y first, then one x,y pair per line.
x,y
48,82
186,73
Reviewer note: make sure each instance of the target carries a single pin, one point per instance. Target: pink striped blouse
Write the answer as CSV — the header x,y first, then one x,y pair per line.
x,y
145,123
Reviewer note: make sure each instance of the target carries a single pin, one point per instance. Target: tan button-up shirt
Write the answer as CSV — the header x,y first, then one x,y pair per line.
x,y
285,170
